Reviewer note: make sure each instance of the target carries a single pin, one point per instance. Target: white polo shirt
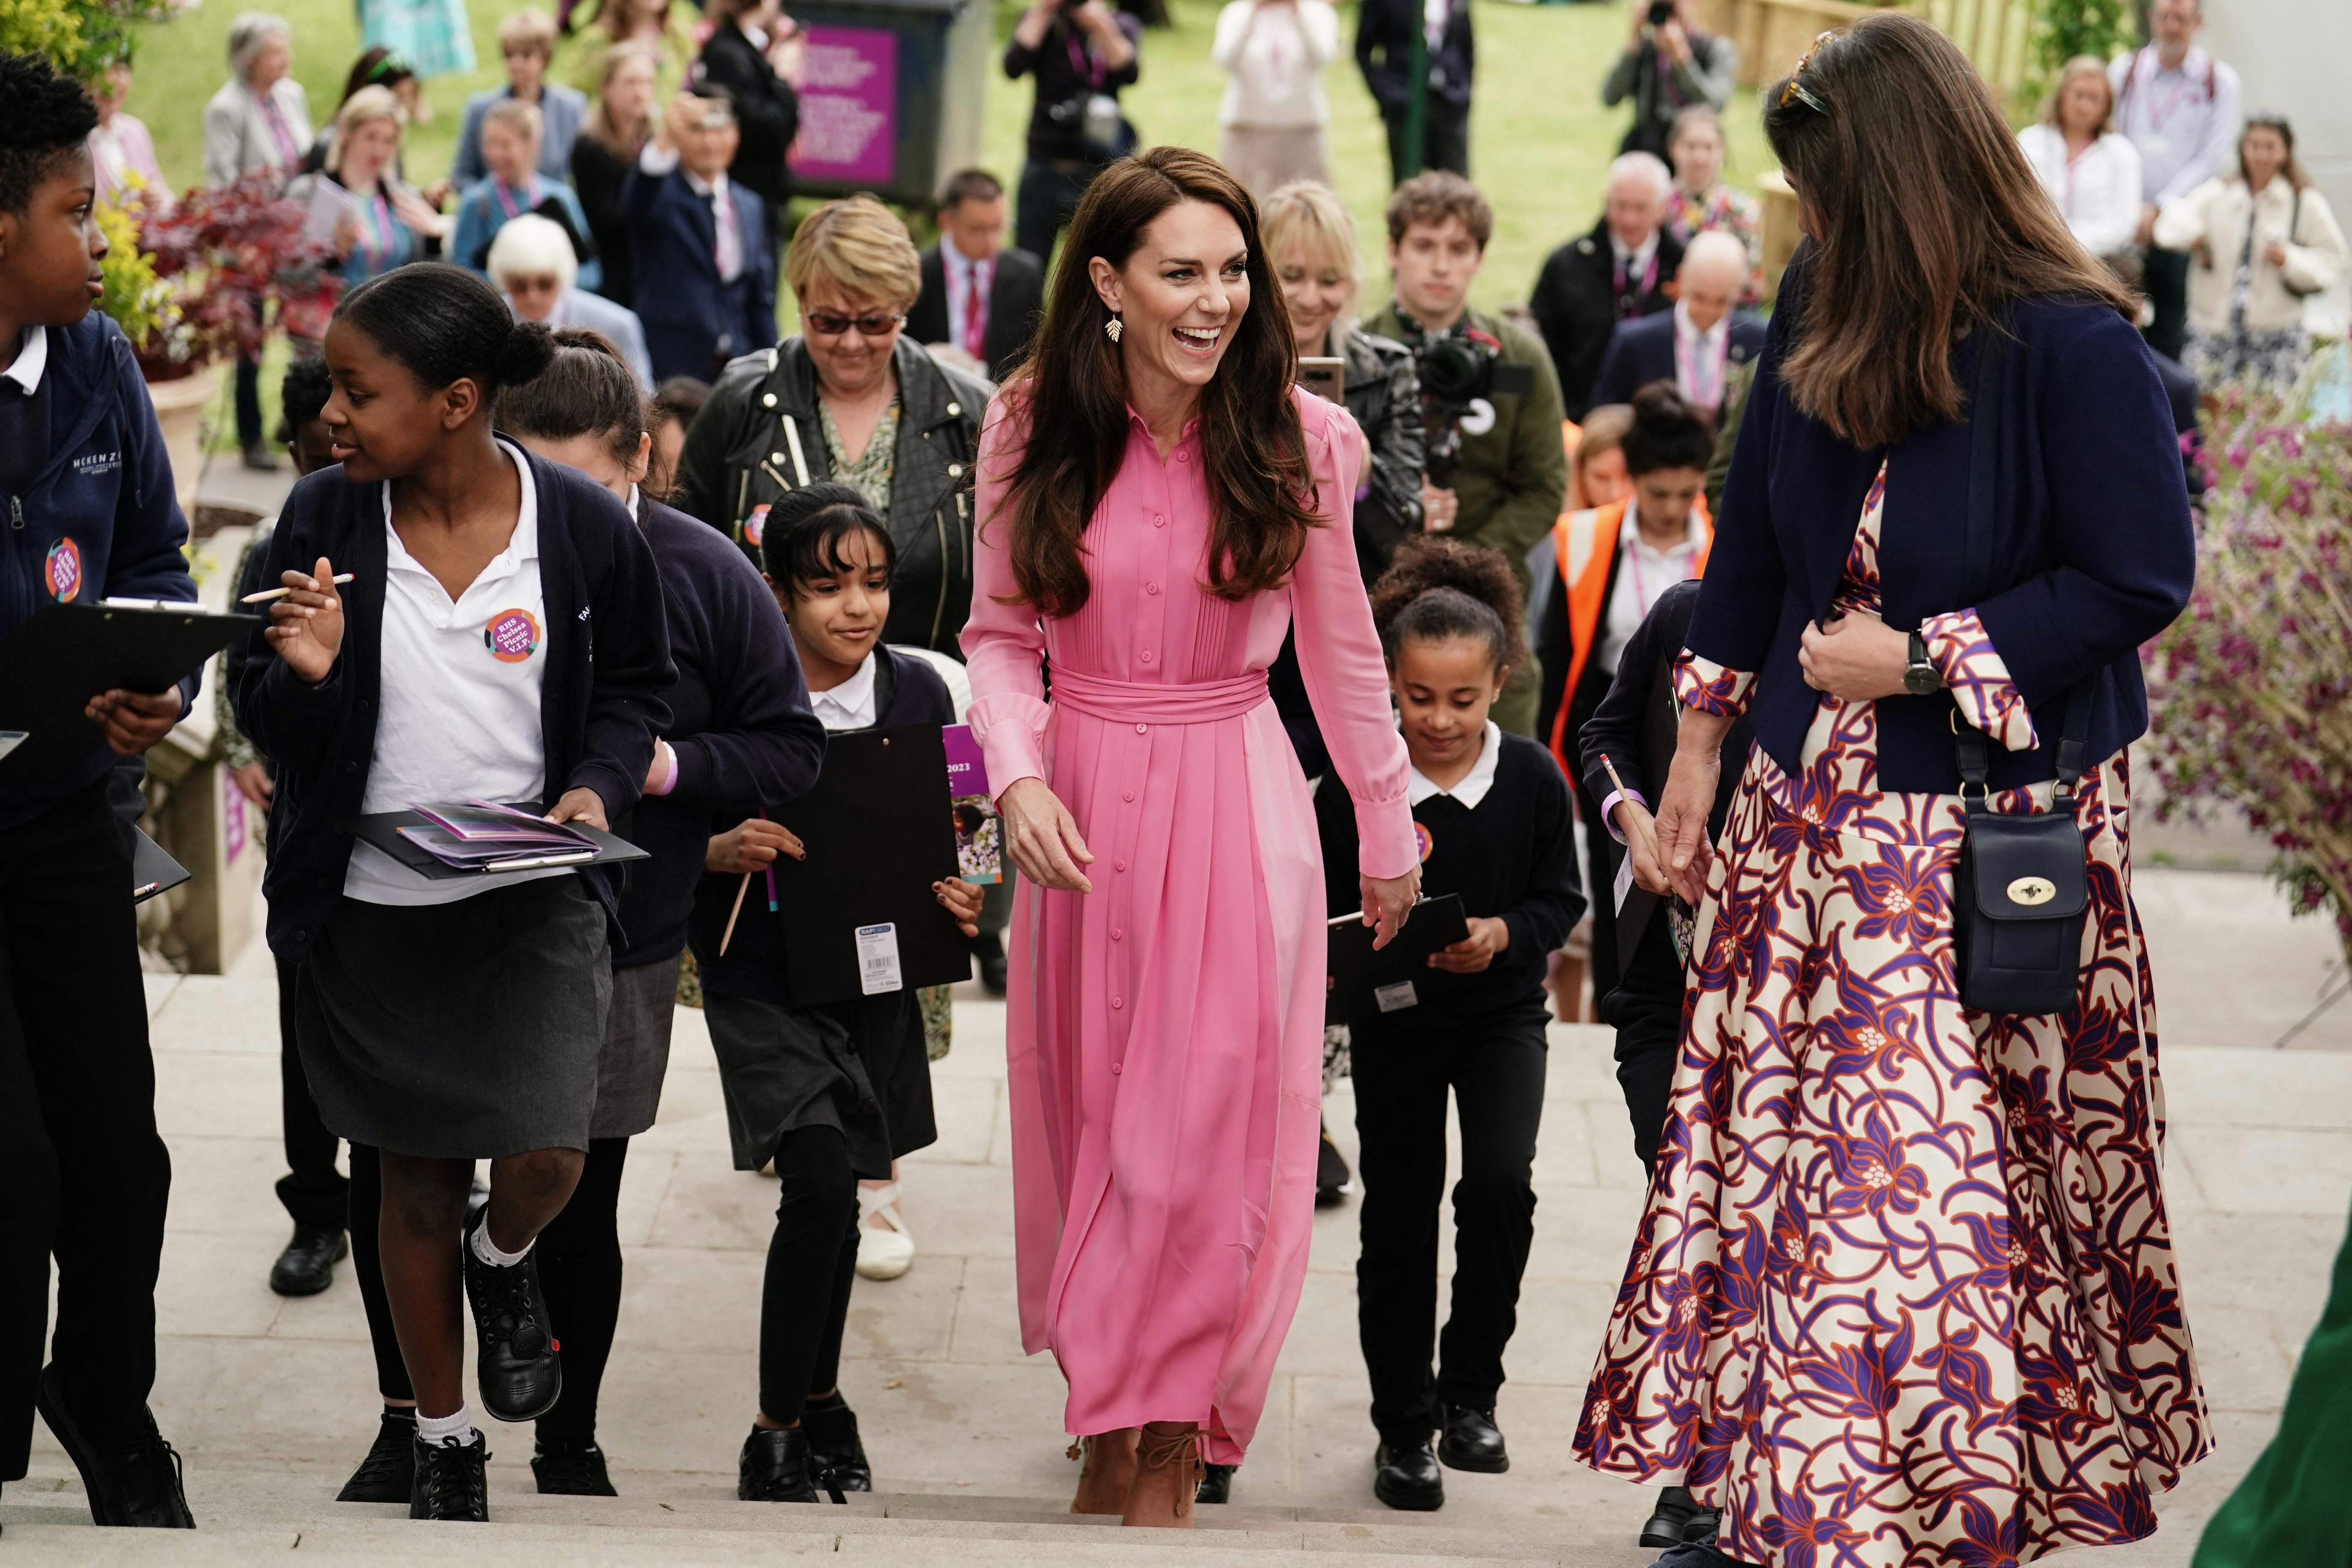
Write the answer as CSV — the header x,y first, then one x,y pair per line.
x,y
459,714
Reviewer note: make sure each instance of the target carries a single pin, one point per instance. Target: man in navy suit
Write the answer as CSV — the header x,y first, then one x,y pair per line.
x,y
706,270
1696,343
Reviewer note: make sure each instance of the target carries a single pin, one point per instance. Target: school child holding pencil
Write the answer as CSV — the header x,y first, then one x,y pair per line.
x,y
502,637
832,1093
1493,817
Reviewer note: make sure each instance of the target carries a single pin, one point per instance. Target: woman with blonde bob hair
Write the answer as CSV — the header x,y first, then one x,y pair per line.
x,y
849,399
381,222
1159,501
2090,170
1310,245
1905,1290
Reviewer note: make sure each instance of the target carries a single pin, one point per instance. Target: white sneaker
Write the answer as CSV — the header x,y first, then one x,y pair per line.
x,y
886,1248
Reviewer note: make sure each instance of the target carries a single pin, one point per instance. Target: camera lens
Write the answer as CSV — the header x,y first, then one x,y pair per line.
x,y
1449,368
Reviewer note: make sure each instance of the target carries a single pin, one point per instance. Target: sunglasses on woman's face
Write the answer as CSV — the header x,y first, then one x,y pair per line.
x,y
832,323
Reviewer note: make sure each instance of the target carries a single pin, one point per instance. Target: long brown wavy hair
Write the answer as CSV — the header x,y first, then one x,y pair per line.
x,y
1252,449
1925,221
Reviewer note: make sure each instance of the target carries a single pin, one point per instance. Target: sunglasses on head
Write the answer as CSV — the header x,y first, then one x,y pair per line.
x,y
832,323
1794,88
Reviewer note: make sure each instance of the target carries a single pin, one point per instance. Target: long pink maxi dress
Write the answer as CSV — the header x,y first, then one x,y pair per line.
x,y
1163,1034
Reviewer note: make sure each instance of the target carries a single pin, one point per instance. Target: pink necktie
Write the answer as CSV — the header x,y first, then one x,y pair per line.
x,y
976,312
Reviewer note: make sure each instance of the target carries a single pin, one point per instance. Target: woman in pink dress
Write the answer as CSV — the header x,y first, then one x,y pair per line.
x,y
1157,502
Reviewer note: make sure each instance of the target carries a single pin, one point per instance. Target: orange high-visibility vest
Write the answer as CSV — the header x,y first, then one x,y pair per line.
x,y
1584,547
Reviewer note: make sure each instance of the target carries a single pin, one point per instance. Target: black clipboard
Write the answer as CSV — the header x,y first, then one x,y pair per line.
x,y
152,870
1360,973
381,828
879,830
51,665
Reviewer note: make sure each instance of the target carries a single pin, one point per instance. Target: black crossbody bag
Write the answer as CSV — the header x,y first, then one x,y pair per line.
x,y
2022,886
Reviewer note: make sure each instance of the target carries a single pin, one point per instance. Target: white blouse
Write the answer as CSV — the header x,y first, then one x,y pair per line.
x,y
1273,52
2096,191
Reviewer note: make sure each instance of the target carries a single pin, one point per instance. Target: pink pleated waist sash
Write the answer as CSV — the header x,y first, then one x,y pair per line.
x,y
1140,702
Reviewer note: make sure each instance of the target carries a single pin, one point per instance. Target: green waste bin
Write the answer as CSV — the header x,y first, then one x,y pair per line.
x,y
890,96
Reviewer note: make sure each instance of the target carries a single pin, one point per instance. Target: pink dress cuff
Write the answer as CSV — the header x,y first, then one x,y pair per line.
x,y
1706,686
1010,729
1386,844
1963,654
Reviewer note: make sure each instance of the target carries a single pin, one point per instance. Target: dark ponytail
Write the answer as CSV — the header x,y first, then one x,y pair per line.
x,y
1438,589
586,389
446,325
1668,431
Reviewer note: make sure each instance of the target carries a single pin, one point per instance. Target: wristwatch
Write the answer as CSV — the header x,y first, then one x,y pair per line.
x,y
1920,677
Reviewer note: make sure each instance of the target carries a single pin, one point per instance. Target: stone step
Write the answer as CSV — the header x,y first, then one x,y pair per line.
x,y
258,1513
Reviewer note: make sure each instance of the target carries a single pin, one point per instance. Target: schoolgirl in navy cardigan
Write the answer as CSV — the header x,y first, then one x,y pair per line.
x,y
2090,558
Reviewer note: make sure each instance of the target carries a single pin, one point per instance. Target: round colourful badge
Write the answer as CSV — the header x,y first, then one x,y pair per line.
x,y
511,636
1420,836
63,570
755,525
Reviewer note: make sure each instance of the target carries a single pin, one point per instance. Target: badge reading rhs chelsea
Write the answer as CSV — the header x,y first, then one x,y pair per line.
x,y
62,570
1420,836
511,636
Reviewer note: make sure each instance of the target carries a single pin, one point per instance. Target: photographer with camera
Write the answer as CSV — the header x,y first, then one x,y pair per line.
x,y
1497,472
1081,52
1668,65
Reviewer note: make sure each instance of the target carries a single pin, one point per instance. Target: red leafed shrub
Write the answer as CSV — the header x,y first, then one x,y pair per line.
x,y
239,264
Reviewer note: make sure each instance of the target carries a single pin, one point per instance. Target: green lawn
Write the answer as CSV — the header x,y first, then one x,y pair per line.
x,y
1540,141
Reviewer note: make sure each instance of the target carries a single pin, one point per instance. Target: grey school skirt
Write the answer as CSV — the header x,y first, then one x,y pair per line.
x,y
636,1055
464,1031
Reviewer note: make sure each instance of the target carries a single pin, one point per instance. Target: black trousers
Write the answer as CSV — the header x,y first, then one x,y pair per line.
x,y
367,1270
1444,140
580,1274
1600,892
2167,273
1050,189
84,1177
248,402
811,1263
1645,1009
313,1191
1494,1067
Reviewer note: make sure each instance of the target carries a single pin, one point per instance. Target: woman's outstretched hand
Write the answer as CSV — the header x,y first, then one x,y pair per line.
x,y
1043,837
1388,901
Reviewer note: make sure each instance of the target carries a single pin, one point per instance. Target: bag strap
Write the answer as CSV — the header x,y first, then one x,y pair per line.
x,y
1969,746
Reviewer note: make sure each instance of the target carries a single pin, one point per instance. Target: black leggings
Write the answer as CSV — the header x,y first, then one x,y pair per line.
x,y
812,1263
579,1273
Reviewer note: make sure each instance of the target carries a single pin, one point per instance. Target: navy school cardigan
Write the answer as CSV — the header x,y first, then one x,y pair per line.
x,y
740,723
2094,552
602,700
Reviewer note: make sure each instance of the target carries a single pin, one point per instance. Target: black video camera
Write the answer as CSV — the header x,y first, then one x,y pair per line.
x,y
1459,374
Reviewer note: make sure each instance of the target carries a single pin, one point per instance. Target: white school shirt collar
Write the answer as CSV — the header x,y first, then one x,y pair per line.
x,y
31,359
1474,784
849,706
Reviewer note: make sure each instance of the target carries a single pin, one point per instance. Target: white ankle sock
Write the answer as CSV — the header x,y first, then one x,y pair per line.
x,y
488,1250
444,1430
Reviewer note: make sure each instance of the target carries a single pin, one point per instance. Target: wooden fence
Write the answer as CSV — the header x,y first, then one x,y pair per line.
x,y
1771,33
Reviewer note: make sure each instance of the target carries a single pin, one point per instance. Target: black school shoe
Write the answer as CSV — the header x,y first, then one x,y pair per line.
x,y
837,1457
1216,1483
388,1474
450,1481
520,1375
1405,1476
307,1266
1679,1518
130,1475
1472,1441
776,1467
567,1466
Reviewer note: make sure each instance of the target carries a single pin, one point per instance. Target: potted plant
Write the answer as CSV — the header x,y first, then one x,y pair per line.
x,y
2253,687
194,285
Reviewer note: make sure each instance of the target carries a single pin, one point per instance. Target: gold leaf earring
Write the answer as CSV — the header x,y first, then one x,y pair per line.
x,y
1112,328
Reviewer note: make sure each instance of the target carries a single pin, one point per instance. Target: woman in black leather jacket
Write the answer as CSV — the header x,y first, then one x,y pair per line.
x,y
849,399
1311,242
